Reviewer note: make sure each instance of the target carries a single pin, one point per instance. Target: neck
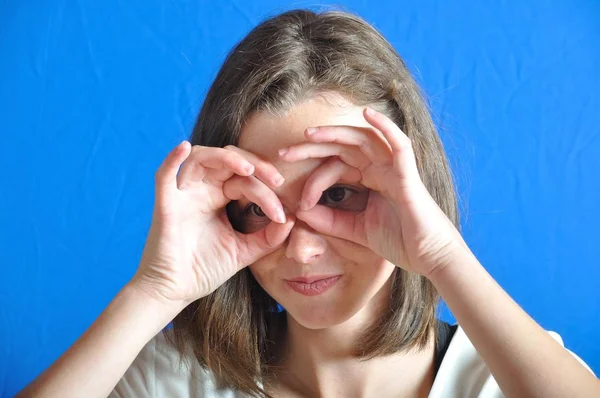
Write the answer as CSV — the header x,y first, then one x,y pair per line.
x,y
323,363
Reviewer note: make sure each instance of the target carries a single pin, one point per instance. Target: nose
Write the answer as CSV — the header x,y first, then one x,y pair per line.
x,y
304,244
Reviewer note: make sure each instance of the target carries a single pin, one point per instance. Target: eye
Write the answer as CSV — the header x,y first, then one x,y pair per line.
x,y
347,198
336,195
246,218
254,210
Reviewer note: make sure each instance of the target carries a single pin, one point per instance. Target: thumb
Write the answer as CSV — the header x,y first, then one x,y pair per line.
x,y
341,224
166,176
258,244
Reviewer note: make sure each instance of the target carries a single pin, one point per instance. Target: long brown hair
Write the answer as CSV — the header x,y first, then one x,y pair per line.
x,y
234,332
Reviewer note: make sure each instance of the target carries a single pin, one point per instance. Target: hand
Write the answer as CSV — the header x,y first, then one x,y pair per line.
x,y
401,221
192,248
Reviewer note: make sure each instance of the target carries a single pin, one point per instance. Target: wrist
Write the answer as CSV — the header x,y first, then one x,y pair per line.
x,y
460,256
138,291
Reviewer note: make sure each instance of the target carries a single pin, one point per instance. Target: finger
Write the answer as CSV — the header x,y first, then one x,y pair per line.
x,y
333,222
166,175
404,157
257,192
221,158
191,171
368,140
260,243
349,154
203,158
332,171
264,170
220,175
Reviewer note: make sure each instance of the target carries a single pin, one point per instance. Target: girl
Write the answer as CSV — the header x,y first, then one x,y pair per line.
x,y
302,241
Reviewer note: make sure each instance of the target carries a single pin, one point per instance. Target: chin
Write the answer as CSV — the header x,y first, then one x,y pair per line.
x,y
326,312
322,318
356,307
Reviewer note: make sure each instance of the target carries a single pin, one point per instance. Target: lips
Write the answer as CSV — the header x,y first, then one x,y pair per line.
x,y
311,278
313,285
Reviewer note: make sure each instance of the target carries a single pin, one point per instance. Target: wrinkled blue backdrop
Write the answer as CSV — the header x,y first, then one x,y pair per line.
x,y
93,94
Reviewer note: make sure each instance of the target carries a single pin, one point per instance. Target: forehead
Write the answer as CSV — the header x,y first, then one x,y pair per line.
x,y
264,133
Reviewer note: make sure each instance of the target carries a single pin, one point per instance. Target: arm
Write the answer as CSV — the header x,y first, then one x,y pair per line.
x,y
99,358
178,266
523,358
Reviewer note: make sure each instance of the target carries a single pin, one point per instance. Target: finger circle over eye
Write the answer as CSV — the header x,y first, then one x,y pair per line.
x,y
255,191
326,175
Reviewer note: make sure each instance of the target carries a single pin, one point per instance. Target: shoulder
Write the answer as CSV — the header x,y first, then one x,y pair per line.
x,y
463,373
158,371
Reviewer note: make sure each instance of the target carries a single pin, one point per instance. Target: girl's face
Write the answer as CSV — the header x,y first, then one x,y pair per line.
x,y
352,282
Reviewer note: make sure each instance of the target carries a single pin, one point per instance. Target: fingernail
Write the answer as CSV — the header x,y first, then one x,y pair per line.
x,y
249,169
283,151
278,180
370,111
311,130
280,218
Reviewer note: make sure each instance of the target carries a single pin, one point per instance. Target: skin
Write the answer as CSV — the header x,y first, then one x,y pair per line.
x,y
322,328
192,249
308,252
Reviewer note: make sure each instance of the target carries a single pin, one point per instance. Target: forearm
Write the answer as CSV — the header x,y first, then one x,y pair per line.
x,y
523,358
99,358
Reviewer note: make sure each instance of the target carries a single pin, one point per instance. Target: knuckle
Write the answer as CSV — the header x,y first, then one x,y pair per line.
x,y
228,189
231,157
364,141
236,182
346,156
335,163
258,189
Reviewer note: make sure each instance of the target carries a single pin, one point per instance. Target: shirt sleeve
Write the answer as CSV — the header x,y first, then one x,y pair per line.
x,y
140,378
463,373
158,372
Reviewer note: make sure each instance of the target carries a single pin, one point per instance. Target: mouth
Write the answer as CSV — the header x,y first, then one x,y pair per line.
x,y
313,285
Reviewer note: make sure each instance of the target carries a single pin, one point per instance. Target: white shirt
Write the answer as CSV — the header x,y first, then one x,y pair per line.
x,y
156,373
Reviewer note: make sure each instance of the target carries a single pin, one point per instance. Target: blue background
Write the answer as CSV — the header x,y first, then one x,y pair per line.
x,y
93,94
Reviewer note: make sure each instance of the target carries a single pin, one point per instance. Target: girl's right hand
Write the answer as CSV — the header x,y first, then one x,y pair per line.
x,y
192,248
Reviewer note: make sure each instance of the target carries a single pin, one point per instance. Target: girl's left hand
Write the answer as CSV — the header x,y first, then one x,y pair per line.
x,y
401,221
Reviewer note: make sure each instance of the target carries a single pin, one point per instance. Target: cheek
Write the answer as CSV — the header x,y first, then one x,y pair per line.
x,y
352,252
371,280
265,270
368,273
